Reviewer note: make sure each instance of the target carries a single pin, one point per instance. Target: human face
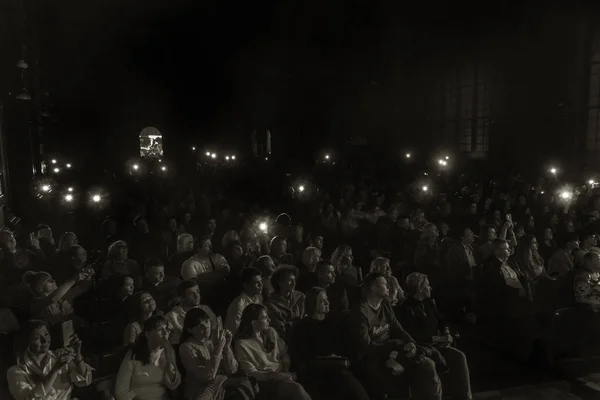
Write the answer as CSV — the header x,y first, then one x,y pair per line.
x,y
205,248
548,234
318,242
148,303
122,252
472,208
384,269
534,244
128,287
156,274
237,252
348,257
40,341
255,286
202,331
426,289
188,244
327,275
191,297
502,250
261,324
468,237
288,284
172,224
380,288
159,335
48,285
211,225
322,303
281,247
592,241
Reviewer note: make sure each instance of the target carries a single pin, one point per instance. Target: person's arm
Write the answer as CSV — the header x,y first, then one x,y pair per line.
x,y
188,271
22,386
242,354
234,316
221,268
230,364
199,366
123,390
131,334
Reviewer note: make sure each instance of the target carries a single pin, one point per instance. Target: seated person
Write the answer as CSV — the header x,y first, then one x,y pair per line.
x,y
279,253
116,292
586,282
161,287
208,363
381,265
185,249
44,374
422,320
143,307
313,343
119,263
149,369
307,278
336,292
386,350
286,305
562,261
262,355
251,294
188,297
205,264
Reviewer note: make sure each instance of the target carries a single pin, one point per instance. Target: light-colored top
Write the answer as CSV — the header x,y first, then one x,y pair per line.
x,y
586,288
53,312
254,358
205,369
145,382
195,265
132,332
175,319
24,380
236,308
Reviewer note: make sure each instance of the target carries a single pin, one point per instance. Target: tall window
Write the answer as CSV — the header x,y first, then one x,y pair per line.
x,y
593,127
468,111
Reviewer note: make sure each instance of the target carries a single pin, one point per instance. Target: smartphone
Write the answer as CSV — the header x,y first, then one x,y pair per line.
x,y
67,332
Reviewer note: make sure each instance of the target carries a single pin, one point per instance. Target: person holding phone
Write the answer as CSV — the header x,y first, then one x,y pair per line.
x,y
43,373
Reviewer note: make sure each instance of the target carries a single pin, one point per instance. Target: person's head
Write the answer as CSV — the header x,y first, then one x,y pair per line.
x,y
325,273
393,212
172,224
311,256
375,286
141,225
185,242
189,293
196,326
467,237
317,241
283,220
154,335
404,223
381,265
67,240
154,271
529,242
430,232
211,225
254,320
284,280
118,251
570,242
488,232
235,250
228,237
496,215
317,303
44,233
472,208
142,306
278,245
591,262
417,286
8,241
41,283
548,235
443,228
124,285
203,246
252,281
589,240
342,255
77,255
501,249
33,338
265,265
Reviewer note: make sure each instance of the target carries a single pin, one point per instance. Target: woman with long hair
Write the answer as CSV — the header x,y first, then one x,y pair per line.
x,y
381,265
342,259
41,373
143,307
149,369
262,355
530,262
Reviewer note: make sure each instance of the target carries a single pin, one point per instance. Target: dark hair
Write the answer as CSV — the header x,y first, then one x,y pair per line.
x,y
22,341
32,279
276,240
311,299
321,265
41,227
140,350
153,263
281,274
262,264
193,318
498,242
370,280
183,287
249,273
199,240
246,330
135,311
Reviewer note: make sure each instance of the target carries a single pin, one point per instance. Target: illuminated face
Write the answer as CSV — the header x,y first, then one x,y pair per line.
x,y
192,297
148,304
128,287
156,274
322,303
255,286
40,341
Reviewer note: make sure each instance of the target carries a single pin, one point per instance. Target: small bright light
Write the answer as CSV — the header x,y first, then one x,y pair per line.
x,y
233,157
266,158
136,167
193,148
54,161
213,155
160,160
263,227
70,190
227,158
425,173
69,197
425,188
56,170
301,188
46,188
96,198
327,156
444,163
542,192
407,155
208,154
68,165
163,168
566,195
553,171
447,158
440,161
591,182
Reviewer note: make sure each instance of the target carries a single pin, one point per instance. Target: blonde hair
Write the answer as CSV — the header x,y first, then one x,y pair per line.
x,y
113,249
181,240
378,263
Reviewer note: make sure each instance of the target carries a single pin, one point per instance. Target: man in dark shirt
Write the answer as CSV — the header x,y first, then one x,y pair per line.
x,y
336,292
386,350
155,282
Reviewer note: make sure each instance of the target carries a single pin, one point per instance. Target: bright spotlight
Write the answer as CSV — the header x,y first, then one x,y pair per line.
x,y
447,158
425,188
591,182
233,157
227,158
193,148
327,157
213,155
68,165
136,167
163,168
70,190
160,160
263,227
301,188
440,161
56,170
266,158
566,195
96,198
553,171
46,188
54,161
69,197
208,154
407,155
